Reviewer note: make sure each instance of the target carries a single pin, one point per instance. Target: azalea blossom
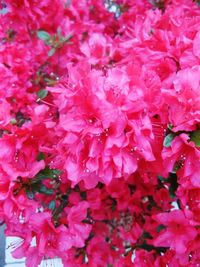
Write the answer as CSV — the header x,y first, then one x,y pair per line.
x,y
100,131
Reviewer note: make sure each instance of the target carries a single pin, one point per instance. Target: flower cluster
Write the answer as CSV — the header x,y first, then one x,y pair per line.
x,y
100,131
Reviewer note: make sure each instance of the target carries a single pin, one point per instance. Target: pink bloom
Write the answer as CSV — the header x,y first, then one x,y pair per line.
x,y
196,45
178,233
78,230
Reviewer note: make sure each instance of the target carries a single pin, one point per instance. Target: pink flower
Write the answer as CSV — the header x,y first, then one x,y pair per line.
x,y
4,113
95,48
78,230
178,232
91,94
196,45
50,241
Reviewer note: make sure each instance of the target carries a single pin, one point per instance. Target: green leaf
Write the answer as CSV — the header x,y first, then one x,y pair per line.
x,y
52,52
172,192
160,228
56,172
109,265
195,137
149,247
43,35
168,139
52,205
47,173
43,189
162,179
173,181
146,235
40,156
42,94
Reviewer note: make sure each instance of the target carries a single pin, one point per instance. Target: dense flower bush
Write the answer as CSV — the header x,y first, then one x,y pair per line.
x,y
100,131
